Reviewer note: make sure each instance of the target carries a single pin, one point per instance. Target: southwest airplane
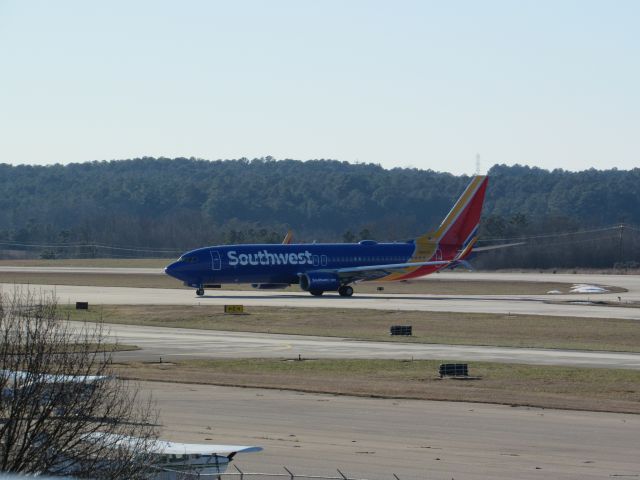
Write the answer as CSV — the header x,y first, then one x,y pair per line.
x,y
322,267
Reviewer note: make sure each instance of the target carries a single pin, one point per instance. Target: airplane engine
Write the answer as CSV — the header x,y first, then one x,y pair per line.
x,y
320,281
269,286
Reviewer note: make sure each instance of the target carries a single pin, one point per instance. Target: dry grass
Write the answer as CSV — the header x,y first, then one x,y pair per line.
x,y
91,279
541,386
428,327
92,262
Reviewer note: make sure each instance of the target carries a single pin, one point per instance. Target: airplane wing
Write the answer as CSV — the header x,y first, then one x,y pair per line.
x,y
163,447
28,378
374,272
15,375
20,376
73,378
174,448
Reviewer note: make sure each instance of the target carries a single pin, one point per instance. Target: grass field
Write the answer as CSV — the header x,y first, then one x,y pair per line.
x,y
550,387
430,285
428,327
93,262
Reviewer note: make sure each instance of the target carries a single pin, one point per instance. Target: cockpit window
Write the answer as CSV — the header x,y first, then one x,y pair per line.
x,y
188,259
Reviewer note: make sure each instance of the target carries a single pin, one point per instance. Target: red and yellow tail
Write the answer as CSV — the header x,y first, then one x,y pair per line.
x,y
460,226
456,235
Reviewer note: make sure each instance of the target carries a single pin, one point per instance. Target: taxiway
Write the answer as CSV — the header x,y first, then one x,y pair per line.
x,y
576,305
374,438
175,343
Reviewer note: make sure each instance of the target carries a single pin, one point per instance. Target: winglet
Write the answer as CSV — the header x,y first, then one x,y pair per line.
x,y
287,238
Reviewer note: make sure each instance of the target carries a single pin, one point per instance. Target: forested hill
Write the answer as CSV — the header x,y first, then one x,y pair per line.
x,y
180,203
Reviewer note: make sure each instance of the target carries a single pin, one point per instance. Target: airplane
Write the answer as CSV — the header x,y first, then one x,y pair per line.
x,y
26,382
172,460
169,460
323,267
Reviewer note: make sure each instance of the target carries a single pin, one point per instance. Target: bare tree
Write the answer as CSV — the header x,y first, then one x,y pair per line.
x,y
62,411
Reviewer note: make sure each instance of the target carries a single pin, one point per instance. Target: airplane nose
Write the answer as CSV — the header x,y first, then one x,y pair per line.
x,y
171,270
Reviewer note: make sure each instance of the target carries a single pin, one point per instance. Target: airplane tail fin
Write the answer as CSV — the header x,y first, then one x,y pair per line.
x,y
459,229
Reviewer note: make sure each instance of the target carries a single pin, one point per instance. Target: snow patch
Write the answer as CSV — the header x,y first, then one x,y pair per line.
x,y
586,288
554,292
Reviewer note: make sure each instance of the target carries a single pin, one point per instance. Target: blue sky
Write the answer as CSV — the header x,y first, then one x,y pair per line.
x,y
401,83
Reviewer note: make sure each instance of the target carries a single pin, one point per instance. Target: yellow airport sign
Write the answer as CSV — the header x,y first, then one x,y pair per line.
x,y
234,309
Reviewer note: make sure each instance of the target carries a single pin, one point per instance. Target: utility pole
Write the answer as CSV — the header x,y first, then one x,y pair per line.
x,y
621,243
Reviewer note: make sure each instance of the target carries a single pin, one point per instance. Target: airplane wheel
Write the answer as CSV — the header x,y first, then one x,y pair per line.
x,y
316,293
200,292
345,291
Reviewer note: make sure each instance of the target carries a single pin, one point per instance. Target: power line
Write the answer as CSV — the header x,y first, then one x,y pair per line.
x,y
87,245
560,234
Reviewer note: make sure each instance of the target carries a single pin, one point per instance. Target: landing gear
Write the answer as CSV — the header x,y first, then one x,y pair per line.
x,y
316,293
200,291
345,291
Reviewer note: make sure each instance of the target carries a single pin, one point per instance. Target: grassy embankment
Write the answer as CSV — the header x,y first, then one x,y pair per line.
x,y
519,385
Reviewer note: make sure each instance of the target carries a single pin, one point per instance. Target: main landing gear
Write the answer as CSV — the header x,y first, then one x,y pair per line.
x,y
200,291
345,291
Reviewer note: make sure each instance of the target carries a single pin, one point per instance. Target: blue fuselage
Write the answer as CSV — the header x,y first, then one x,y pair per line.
x,y
280,264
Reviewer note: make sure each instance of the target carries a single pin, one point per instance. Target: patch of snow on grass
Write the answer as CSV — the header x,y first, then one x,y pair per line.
x,y
586,288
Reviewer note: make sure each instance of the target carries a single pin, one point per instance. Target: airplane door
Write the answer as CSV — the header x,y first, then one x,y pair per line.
x,y
323,260
216,263
316,261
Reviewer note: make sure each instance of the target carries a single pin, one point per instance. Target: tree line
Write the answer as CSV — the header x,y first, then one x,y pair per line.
x,y
160,206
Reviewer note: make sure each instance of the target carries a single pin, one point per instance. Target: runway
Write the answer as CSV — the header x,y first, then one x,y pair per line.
x,y
416,440
176,343
499,304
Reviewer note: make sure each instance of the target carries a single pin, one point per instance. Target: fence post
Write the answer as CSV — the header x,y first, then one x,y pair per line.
x,y
240,471
289,472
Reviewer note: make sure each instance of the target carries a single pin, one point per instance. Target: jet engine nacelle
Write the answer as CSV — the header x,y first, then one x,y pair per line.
x,y
269,286
321,281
